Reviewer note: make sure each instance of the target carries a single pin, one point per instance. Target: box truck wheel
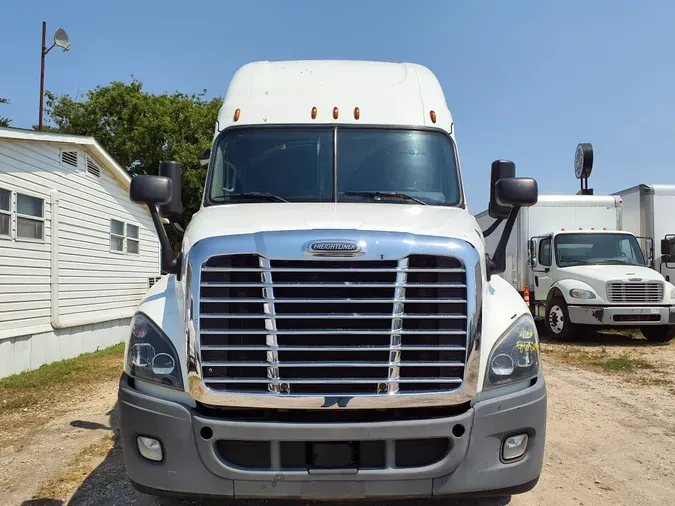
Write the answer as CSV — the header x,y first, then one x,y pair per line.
x,y
658,333
558,320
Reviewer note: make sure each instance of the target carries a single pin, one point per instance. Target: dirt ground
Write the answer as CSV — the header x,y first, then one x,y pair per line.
x,y
610,438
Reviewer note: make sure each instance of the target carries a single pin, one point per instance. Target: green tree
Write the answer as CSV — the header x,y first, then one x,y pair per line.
x,y
140,129
4,122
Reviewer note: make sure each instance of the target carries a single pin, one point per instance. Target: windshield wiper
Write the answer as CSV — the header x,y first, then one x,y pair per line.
x,y
254,195
390,195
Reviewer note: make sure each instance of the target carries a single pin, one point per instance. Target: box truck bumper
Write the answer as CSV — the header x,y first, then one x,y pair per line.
x,y
626,316
459,455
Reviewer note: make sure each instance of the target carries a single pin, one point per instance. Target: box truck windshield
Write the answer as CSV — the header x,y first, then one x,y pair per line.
x,y
334,165
597,249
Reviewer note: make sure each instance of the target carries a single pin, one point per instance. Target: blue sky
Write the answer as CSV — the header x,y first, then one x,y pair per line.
x,y
526,80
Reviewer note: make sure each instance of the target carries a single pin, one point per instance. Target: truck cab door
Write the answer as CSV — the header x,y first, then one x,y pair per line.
x,y
666,264
541,262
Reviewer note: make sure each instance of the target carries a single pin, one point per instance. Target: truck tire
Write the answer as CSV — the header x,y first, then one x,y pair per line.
x,y
658,333
558,321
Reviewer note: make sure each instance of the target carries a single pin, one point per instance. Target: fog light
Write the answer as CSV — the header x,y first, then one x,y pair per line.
x,y
150,448
514,447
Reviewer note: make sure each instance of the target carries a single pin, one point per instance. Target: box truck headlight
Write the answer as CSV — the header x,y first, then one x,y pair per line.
x,y
672,293
578,293
515,356
151,356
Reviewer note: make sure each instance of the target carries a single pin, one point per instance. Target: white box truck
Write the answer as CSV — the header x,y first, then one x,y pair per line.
x,y
582,269
647,211
333,326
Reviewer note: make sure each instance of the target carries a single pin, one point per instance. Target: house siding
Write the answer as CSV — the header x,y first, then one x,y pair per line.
x,y
94,284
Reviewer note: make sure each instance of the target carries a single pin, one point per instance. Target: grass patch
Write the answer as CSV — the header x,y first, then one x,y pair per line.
x,y
34,387
623,363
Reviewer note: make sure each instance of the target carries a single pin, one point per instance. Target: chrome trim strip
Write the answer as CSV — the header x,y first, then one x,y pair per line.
x,y
397,326
391,246
270,325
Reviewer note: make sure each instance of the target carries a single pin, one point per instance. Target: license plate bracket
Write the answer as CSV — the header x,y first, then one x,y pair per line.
x,y
333,455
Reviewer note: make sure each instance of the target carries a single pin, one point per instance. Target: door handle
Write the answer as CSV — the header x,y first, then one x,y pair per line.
x,y
547,269
536,281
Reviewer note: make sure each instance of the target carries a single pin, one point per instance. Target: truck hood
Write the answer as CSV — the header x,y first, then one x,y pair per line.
x,y
265,217
604,273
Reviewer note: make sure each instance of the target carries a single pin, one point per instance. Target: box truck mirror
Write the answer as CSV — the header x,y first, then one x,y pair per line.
x,y
665,247
501,169
532,248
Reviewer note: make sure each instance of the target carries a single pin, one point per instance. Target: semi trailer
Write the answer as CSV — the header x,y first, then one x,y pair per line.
x,y
333,326
580,267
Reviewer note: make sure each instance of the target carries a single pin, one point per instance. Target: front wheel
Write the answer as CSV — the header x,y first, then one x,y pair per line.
x,y
658,333
558,321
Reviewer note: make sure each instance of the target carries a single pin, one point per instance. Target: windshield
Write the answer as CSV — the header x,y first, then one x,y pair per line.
x,y
334,165
607,249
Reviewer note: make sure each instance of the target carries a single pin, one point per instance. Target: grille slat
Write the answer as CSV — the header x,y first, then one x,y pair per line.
x,y
333,327
634,292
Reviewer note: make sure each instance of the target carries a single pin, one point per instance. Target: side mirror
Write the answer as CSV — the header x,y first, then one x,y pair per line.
x,y
151,190
516,192
204,157
532,247
501,169
174,207
665,246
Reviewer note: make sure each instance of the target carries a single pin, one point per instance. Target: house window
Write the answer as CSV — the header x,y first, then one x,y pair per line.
x,y
124,237
117,236
5,213
30,217
132,239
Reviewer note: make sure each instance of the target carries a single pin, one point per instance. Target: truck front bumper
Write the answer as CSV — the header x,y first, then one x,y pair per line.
x,y
622,316
193,461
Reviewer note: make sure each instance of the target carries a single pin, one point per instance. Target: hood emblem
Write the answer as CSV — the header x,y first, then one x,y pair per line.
x,y
333,248
634,279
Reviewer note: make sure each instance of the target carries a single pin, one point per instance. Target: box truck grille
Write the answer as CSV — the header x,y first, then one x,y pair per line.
x,y
619,292
333,327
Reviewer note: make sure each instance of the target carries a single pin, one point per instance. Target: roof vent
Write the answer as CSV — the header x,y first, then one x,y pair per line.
x,y
69,158
93,168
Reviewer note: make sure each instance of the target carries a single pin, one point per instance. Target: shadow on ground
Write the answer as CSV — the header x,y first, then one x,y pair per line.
x,y
107,485
593,338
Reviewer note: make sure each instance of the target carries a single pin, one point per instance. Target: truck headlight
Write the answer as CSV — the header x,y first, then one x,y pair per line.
x,y
578,293
672,293
515,356
151,356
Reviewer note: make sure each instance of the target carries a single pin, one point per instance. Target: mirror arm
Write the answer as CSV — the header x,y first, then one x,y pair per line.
x,y
493,227
170,264
497,264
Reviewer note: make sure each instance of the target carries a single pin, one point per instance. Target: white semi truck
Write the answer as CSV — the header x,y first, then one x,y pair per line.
x,y
647,211
333,326
581,268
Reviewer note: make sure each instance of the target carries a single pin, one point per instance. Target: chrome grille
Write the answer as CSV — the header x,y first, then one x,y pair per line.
x,y
333,327
622,292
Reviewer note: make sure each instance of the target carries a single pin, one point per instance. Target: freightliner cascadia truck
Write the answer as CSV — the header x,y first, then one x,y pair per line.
x,y
333,326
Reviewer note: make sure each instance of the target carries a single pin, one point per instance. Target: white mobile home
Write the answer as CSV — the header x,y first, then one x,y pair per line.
x,y
76,255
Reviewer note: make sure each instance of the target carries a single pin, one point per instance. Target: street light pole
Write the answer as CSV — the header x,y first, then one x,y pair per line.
x,y
61,40
43,53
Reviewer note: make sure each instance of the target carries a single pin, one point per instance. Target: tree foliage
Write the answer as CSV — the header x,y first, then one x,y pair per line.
x,y
140,129
4,122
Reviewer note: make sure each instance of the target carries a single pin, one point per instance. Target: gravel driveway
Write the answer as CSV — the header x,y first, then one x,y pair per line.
x,y
610,440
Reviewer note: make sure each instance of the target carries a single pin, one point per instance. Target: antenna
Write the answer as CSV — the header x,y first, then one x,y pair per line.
x,y
61,39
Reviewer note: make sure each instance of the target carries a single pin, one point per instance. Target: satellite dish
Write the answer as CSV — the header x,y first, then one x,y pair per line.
x,y
61,39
